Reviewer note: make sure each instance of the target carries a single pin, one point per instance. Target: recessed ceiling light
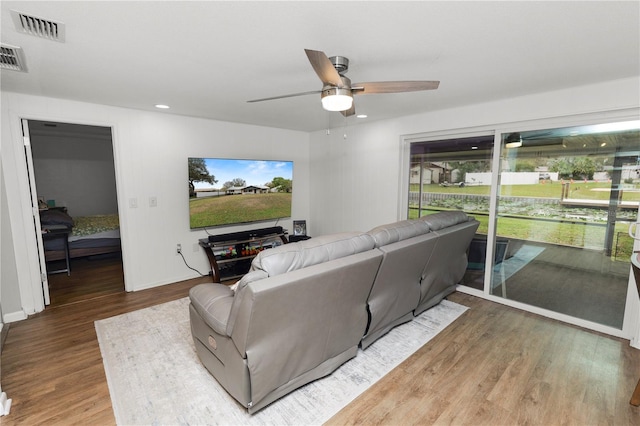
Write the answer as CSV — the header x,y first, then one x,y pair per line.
x,y
361,115
161,106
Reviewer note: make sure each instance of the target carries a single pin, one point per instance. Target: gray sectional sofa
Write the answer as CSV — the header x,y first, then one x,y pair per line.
x,y
305,308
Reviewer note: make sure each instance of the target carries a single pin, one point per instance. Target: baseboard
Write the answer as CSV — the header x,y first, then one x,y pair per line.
x,y
175,280
4,330
14,316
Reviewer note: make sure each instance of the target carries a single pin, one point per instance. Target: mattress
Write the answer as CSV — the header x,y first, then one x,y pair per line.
x,y
86,231
97,226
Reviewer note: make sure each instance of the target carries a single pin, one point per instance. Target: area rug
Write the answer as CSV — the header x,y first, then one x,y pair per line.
x,y
155,376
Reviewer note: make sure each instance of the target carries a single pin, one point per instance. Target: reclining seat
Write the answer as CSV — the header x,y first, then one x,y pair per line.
x,y
296,316
448,261
406,246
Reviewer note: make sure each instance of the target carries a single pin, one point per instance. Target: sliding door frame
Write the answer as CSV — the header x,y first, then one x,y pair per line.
x,y
631,323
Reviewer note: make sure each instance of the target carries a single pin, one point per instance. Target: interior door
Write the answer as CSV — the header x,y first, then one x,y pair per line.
x,y
35,211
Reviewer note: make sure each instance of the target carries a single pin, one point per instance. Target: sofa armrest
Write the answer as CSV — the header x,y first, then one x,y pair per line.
x,y
213,303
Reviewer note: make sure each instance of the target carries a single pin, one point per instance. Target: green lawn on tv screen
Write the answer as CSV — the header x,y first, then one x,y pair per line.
x,y
229,209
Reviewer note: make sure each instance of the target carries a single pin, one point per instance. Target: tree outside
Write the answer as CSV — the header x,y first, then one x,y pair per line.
x,y
281,184
237,182
198,173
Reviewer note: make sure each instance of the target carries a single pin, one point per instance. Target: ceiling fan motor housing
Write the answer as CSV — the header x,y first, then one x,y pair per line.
x,y
333,91
340,63
343,89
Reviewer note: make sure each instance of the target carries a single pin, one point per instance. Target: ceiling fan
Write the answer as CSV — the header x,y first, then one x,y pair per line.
x,y
337,91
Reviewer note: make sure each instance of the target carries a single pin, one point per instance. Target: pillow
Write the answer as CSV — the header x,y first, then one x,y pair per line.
x,y
55,217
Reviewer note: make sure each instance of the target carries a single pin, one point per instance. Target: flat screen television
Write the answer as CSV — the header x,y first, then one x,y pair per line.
x,y
225,191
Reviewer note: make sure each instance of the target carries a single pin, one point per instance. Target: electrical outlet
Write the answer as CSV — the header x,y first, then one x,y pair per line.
x,y
179,248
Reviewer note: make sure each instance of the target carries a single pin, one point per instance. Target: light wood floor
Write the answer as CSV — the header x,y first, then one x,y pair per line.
x,y
495,365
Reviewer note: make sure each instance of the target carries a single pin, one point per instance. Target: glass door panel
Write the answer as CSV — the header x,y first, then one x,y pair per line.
x,y
566,199
455,174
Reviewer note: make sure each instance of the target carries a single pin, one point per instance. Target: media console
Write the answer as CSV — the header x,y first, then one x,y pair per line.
x,y
230,254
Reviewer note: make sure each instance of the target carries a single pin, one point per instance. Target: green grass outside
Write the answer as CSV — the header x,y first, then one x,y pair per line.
x,y
227,209
561,233
579,190
577,234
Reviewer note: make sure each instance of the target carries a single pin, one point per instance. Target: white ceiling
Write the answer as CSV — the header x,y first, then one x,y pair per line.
x,y
206,59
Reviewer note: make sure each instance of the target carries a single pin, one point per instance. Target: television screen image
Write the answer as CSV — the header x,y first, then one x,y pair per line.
x,y
225,191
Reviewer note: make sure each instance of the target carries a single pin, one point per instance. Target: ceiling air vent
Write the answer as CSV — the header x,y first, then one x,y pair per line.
x,y
12,58
38,27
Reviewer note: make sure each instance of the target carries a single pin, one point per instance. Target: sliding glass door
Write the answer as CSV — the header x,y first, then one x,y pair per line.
x,y
554,205
566,199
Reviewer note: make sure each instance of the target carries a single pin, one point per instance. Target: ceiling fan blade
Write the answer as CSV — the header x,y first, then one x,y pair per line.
x,y
351,111
312,92
324,68
393,87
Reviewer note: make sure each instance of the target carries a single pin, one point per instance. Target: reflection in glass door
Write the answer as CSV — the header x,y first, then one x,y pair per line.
x,y
565,202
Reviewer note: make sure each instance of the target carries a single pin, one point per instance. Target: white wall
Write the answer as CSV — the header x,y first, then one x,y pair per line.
x,y
151,151
8,276
3,204
356,181
341,184
58,162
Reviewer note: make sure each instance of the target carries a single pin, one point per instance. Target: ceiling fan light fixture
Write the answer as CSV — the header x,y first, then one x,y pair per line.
x,y
337,99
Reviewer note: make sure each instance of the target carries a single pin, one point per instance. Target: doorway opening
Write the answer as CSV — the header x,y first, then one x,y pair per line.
x,y
74,174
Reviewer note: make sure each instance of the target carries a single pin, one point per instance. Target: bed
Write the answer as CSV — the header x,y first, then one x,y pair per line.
x,y
89,235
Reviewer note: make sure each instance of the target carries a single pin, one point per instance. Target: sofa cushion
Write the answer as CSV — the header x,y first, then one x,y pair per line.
x,y
213,303
398,231
289,257
443,220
